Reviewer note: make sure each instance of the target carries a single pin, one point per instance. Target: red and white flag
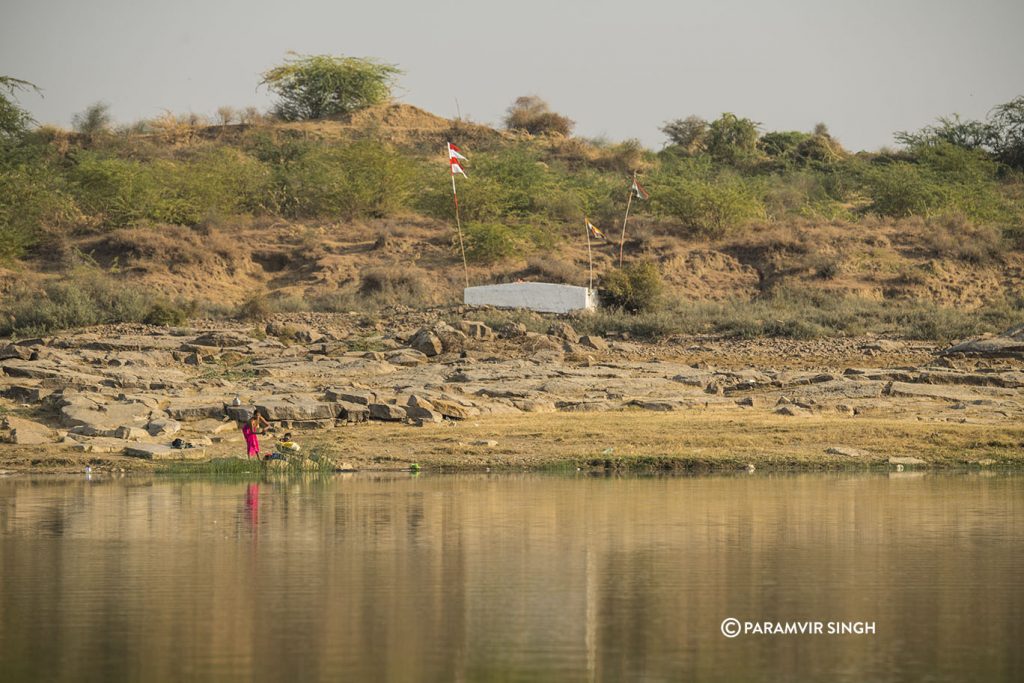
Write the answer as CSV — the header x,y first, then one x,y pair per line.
x,y
454,155
638,192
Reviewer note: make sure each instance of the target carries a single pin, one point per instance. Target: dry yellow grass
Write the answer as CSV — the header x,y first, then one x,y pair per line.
x,y
725,439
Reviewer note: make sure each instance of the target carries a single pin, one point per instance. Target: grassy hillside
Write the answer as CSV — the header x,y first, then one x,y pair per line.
x,y
784,233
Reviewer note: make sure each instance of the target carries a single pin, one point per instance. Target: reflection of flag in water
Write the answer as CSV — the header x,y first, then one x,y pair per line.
x,y
454,155
594,231
639,192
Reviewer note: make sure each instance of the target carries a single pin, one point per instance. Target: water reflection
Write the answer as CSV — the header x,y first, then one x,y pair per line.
x,y
518,577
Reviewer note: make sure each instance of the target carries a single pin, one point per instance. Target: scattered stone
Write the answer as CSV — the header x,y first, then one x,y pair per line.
x,y
489,443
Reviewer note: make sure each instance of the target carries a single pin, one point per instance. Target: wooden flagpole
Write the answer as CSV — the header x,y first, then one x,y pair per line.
x,y
629,202
458,223
458,219
590,258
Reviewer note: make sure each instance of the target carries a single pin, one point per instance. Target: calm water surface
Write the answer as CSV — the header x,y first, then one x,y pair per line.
x,y
511,577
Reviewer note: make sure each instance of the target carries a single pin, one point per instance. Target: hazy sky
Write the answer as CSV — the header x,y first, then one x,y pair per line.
x,y
620,69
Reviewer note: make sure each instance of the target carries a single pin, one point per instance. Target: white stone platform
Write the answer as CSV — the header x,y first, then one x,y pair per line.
x,y
544,297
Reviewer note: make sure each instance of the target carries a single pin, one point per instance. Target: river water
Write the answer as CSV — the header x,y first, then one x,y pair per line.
x,y
512,577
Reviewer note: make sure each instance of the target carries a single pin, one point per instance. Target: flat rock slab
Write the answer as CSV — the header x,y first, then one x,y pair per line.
x,y
846,451
297,410
100,416
945,392
155,451
906,460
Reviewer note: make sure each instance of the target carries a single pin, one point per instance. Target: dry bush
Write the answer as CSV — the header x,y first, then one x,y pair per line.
x,y
554,269
165,247
956,236
406,285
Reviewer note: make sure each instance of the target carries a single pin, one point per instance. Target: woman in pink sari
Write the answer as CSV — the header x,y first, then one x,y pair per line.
x,y
250,430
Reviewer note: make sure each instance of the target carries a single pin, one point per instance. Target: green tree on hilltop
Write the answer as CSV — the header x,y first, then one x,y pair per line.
x,y
319,86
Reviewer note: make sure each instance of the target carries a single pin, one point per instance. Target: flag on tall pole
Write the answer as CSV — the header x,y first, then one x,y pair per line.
x,y
638,192
634,191
454,157
592,232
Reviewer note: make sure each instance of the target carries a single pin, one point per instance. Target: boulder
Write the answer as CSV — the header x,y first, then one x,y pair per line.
x,y
408,358
427,343
27,432
188,411
423,414
455,411
792,411
417,401
297,409
23,393
82,412
353,412
131,433
1009,343
512,330
387,412
360,396
163,427
476,330
563,330
530,405
15,351
594,342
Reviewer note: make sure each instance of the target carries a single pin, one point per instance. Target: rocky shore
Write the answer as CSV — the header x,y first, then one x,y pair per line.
x,y
123,397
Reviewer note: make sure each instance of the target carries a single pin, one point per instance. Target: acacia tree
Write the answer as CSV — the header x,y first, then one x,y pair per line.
x,y
95,120
13,119
532,114
318,86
